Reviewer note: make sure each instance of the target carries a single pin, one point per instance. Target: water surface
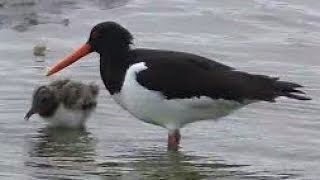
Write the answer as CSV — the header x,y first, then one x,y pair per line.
x,y
262,141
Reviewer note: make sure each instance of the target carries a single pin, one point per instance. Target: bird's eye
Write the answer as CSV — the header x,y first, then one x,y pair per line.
x,y
95,34
43,100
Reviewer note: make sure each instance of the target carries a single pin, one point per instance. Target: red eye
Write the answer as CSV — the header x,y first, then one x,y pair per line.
x,y
95,34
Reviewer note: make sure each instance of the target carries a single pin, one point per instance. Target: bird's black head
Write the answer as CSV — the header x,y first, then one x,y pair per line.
x,y
44,102
110,37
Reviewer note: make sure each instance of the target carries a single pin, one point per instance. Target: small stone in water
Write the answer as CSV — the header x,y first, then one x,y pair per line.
x,y
39,50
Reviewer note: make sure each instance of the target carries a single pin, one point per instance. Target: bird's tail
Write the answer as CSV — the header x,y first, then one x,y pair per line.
x,y
289,89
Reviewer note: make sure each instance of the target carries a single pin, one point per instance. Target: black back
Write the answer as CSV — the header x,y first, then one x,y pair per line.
x,y
182,75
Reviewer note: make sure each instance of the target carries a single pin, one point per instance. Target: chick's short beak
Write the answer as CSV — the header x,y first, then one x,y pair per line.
x,y
29,114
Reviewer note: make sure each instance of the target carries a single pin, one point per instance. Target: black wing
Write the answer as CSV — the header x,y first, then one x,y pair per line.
x,y
182,75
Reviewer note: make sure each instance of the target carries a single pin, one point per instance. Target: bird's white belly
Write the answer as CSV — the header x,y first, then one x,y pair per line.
x,y
152,107
69,118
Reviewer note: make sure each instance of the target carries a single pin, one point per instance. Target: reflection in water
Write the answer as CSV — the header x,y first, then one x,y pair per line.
x,y
61,153
154,164
71,154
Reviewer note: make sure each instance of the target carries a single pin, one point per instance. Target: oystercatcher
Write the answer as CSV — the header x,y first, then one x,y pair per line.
x,y
170,88
64,103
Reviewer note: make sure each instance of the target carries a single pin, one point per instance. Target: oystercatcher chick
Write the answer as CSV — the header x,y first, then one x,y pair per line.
x,y
171,88
64,103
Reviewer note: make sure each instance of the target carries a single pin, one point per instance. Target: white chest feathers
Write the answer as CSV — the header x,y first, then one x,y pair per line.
x,y
70,118
152,107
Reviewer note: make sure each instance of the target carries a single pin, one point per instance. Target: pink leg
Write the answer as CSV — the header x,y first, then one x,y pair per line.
x,y
173,140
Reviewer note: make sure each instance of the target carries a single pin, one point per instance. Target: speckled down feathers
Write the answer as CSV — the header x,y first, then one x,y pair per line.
x,y
75,95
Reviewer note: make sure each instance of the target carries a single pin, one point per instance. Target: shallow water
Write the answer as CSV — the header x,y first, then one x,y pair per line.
x,y
261,141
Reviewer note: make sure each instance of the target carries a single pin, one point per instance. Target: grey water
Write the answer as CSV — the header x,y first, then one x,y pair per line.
x,y
261,141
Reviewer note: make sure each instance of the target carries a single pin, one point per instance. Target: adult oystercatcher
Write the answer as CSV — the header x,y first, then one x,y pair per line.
x,y
64,103
170,88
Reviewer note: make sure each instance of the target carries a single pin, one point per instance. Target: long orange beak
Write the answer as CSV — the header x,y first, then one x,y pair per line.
x,y
75,56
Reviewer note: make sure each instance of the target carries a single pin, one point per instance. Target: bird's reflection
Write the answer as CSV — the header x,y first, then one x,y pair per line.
x,y
70,154
62,151
155,164
61,142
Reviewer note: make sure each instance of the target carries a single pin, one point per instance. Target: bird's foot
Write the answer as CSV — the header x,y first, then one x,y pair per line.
x,y
174,140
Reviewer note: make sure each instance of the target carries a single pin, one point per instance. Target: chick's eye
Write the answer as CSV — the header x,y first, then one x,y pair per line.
x,y
44,99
